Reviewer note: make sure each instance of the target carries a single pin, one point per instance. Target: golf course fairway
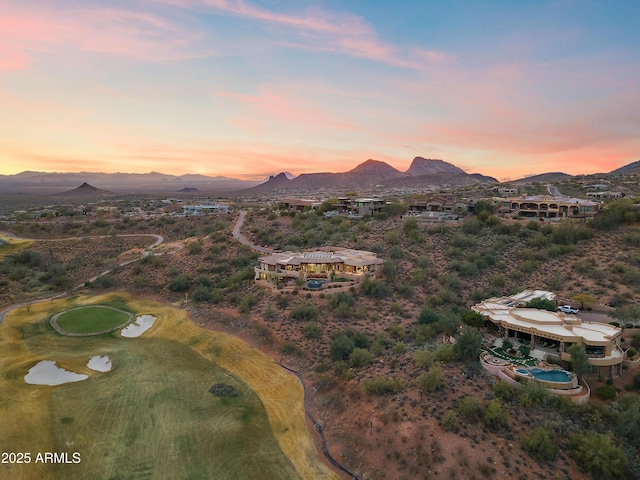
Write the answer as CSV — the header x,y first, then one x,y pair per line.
x,y
152,415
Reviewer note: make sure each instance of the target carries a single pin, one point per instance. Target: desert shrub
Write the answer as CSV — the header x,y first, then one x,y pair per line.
x,y
202,293
432,380
399,348
194,248
289,348
270,313
29,258
282,302
424,358
392,237
504,391
496,416
628,419
467,347
470,409
179,283
606,392
427,316
359,357
383,385
423,261
473,318
247,303
104,281
304,313
445,353
450,422
341,347
542,304
596,454
375,288
540,444
311,330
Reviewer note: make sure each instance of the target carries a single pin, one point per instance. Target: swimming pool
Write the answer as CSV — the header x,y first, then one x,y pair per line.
x,y
315,284
547,375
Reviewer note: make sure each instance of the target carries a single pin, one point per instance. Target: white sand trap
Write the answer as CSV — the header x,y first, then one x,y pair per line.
x,y
100,363
137,328
47,373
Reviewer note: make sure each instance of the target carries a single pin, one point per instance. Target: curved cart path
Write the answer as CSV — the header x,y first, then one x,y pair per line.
x,y
244,240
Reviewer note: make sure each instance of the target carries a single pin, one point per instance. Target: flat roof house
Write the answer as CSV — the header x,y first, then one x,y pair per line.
x,y
283,267
543,206
552,333
204,209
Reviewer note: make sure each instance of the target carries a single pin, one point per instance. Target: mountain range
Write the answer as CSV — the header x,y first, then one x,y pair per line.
x,y
46,183
422,173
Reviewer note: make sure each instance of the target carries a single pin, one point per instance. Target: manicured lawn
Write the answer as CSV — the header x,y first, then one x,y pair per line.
x,y
524,361
152,415
91,319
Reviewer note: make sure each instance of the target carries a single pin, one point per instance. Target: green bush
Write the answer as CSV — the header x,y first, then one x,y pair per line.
x,y
304,313
450,422
179,283
606,392
432,380
104,281
383,385
424,358
428,316
341,347
247,303
311,330
359,357
540,444
445,353
496,416
202,293
470,409
504,391
596,454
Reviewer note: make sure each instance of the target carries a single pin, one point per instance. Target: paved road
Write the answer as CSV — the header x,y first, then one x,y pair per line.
x,y
596,317
244,240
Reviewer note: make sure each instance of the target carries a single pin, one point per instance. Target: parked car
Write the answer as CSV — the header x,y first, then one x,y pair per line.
x,y
568,309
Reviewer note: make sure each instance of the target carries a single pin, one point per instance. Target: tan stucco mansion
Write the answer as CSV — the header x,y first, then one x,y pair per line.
x,y
551,333
283,267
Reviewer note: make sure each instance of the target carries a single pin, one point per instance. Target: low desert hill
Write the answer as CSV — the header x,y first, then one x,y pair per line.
x,y
550,177
84,190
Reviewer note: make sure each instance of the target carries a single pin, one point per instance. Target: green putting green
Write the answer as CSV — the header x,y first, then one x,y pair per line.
x,y
92,319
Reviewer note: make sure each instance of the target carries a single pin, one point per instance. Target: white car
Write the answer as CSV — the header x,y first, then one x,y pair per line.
x,y
568,309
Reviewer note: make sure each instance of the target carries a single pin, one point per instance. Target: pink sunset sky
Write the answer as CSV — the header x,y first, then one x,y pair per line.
x,y
250,88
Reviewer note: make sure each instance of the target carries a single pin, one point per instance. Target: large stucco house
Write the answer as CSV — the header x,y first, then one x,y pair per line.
x,y
552,333
282,267
545,206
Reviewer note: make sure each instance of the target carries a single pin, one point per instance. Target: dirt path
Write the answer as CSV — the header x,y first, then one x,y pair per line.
x,y
244,240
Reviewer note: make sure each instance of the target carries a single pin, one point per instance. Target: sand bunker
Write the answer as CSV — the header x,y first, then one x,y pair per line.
x,y
47,373
100,363
137,328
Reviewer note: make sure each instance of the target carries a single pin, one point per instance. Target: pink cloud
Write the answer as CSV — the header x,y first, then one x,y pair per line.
x,y
29,29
